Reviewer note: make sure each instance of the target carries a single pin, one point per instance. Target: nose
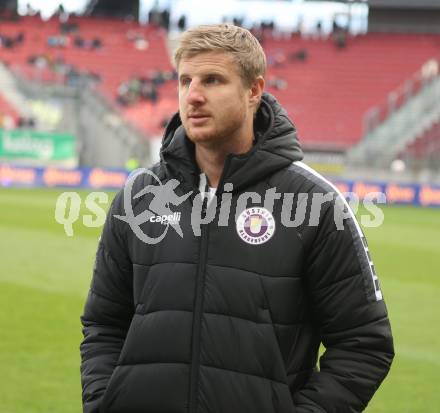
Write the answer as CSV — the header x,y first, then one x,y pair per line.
x,y
195,95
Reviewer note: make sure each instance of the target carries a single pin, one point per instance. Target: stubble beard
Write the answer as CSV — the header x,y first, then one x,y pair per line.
x,y
219,136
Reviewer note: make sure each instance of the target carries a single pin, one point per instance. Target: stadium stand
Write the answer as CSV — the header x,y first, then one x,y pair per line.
x,y
308,75
425,147
411,110
359,76
8,115
127,50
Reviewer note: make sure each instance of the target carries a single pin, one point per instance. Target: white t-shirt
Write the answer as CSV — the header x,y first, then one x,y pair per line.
x,y
206,190
210,194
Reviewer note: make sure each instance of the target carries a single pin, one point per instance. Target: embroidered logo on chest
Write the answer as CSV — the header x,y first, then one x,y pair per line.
x,y
255,225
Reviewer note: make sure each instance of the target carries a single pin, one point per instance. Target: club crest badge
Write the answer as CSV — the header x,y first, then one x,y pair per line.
x,y
255,225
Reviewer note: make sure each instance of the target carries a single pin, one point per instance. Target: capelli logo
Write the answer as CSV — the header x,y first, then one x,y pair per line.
x,y
166,219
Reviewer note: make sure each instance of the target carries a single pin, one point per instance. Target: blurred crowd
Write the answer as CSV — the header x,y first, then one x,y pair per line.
x,y
144,88
21,122
9,42
72,75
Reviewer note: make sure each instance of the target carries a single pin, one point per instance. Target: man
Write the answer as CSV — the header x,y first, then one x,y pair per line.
x,y
202,310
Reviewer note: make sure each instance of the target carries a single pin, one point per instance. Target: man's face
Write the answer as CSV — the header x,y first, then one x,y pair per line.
x,y
213,102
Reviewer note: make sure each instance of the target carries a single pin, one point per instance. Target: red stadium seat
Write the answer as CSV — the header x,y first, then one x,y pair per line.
x,y
427,145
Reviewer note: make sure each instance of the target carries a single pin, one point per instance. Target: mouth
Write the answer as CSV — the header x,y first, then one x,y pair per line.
x,y
198,116
198,119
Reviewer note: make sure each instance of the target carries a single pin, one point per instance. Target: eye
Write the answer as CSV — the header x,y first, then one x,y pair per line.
x,y
212,80
185,81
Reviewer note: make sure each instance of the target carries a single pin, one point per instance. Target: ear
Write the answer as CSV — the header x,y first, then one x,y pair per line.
x,y
255,91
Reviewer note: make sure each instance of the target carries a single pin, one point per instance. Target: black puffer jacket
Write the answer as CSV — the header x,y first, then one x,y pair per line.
x,y
212,323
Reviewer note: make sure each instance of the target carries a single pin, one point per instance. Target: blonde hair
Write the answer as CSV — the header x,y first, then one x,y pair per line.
x,y
240,43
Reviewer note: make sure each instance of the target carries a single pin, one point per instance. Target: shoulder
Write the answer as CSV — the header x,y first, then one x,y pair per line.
x,y
299,177
310,178
325,206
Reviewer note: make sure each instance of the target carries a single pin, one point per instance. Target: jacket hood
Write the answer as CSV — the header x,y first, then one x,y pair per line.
x,y
276,146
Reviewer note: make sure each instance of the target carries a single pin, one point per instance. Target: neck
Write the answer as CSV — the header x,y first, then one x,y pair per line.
x,y
211,159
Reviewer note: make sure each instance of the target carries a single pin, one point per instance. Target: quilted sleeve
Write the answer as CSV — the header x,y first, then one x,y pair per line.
x,y
107,313
351,315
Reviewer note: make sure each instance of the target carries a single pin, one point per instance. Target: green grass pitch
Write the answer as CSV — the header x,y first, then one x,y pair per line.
x,y
45,275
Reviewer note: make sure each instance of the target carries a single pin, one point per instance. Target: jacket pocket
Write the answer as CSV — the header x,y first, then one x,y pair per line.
x,y
113,389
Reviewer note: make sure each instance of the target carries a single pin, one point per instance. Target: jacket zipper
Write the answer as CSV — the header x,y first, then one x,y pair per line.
x,y
198,313
223,175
